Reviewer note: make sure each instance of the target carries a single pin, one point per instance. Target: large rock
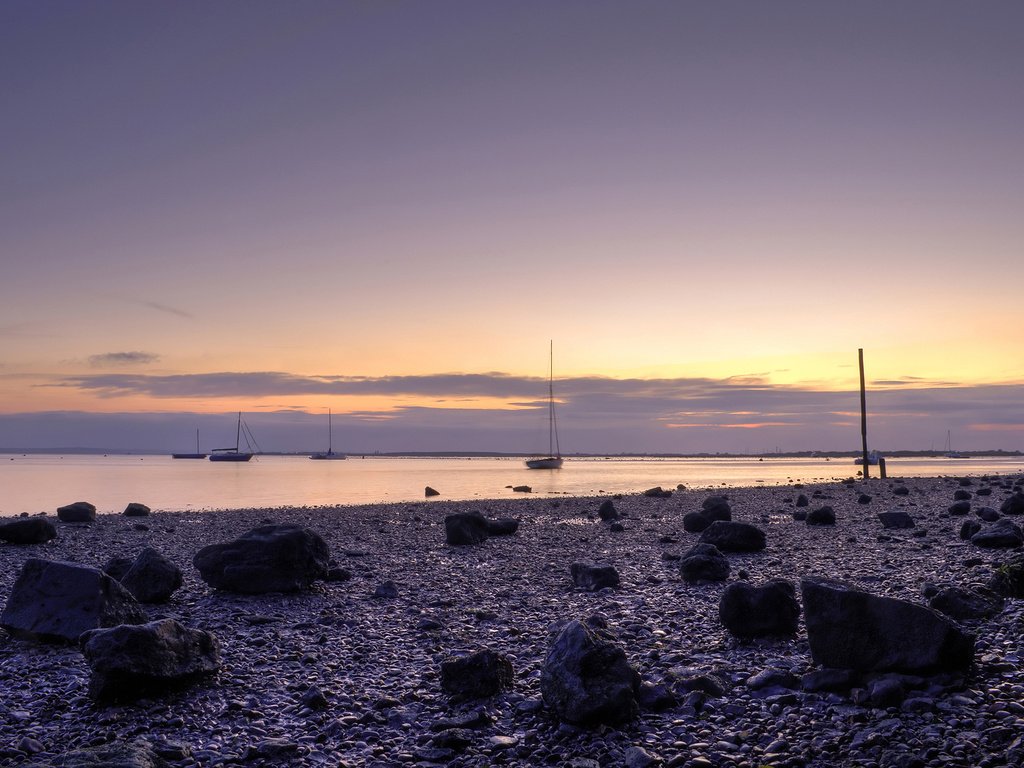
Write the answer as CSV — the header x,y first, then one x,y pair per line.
x,y
695,522
704,562
132,661
594,577
851,629
730,536
1013,505
586,679
464,528
136,509
895,520
607,511
479,675
716,508
271,558
118,754
78,512
152,578
749,611
967,604
502,526
57,601
824,515
1003,533
28,530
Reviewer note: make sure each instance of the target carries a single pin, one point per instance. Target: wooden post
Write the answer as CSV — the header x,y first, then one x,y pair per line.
x,y
863,414
881,467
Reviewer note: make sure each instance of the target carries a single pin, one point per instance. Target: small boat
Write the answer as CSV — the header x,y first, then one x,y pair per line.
x,y
196,455
554,458
873,458
950,453
329,455
232,454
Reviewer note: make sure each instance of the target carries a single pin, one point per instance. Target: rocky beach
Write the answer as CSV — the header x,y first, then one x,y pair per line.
x,y
348,671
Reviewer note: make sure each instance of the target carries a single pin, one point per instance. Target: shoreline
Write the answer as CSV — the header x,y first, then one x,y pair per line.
x,y
379,670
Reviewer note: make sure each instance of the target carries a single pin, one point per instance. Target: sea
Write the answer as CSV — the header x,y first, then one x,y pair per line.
x,y
32,483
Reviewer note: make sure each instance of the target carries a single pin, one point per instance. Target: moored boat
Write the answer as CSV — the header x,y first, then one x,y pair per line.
x,y
554,458
232,454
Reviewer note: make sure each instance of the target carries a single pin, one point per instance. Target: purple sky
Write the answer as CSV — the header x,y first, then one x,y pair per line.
x,y
373,207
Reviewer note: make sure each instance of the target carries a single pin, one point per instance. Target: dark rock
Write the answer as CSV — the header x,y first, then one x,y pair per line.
x,y
28,530
128,662
966,605
271,558
338,574
522,489
135,509
118,566
799,515
152,578
695,522
616,528
1002,533
58,601
802,500
730,536
960,508
607,511
386,590
764,611
897,520
901,490
716,508
656,697
987,514
479,675
983,492
465,528
594,577
78,512
822,516
886,691
1013,505
962,495
503,526
586,679
772,677
657,493
118,754
428,492
863,499
704,562
969,528
851,629
829,679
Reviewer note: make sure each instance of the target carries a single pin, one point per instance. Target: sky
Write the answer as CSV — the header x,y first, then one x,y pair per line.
x,y
391,209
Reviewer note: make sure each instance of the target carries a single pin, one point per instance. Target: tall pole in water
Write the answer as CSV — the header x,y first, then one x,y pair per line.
x,y
863,414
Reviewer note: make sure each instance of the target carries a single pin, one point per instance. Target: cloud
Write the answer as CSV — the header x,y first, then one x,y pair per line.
x,y
168,310
122,358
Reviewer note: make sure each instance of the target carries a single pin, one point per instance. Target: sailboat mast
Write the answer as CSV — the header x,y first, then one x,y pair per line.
x,y
330,432
238,431
197,439
552,426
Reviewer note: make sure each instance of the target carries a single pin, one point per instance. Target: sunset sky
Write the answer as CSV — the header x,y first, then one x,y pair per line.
x,y
389,209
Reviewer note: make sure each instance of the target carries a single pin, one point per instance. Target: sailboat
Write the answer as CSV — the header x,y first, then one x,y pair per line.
x,y
196,455
554,458
330,454
950,453
232,454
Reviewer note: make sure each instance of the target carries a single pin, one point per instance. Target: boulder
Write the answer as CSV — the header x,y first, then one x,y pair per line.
x,y
464,528
28,530
969,528
78,512
822,516
851,629
895,520
962,495
135,509
152,578
592,578
502,526
864,499
522,489
586,679
118,754
128,662
704,562
901,490
477,676
428,492
657,493
57,601
1003,533
802,500
960,508
1013,505
967,604
987,514
716,508
730,536
118,566
695,522
271,558
607,511
764,611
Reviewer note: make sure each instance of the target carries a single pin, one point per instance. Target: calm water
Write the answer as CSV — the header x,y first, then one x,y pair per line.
x,y
43,483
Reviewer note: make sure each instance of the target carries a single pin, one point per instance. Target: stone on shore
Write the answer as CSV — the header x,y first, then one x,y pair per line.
x,y
428,492
657,493
716,508
28,530
476,676
704,562
56,601
133,754
768,610
592,578
77,512
586,679
1003,533
824,515
271,558
851,629
967,604
128,662
731,536
135,509
152,578
1013,505
467,528
895,520
607,511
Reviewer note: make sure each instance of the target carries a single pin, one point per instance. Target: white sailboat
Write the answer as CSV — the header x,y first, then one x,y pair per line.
x,y
197,455
232,454
329,455
554,458
950,453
